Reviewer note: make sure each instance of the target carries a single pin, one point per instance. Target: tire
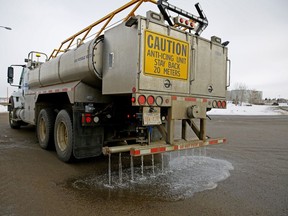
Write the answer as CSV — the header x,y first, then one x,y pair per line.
x,y
63,136
45,128
13,124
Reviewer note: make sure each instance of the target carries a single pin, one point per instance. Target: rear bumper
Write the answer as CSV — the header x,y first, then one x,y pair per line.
x,y
160,147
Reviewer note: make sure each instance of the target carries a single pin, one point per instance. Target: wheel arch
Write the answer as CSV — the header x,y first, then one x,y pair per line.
x,y
55,101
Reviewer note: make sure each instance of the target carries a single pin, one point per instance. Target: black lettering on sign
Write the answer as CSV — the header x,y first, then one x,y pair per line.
x,y
165,56
166,45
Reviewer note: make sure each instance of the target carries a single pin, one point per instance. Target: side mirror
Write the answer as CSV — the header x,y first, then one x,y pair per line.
x,y
10,75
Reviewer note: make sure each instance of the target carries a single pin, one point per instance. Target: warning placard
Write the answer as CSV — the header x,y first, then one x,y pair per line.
x,y
165,56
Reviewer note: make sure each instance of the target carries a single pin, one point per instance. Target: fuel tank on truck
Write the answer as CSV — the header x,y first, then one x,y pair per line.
x,y
82,63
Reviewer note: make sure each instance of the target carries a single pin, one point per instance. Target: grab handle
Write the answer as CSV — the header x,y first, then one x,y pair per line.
x,y
229,72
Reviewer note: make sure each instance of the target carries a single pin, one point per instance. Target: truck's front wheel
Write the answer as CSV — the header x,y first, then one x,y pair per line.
x,y
13,124
63,136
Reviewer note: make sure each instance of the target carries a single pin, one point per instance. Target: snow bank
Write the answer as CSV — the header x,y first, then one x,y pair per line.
x,y
3,109
246,109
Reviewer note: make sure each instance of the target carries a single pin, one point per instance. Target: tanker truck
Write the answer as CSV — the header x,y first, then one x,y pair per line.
x,y
141,86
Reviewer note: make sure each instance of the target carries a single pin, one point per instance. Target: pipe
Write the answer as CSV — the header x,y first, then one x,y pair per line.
x,y
117,149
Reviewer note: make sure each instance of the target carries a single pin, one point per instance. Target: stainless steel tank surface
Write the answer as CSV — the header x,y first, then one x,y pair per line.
x,y
82,63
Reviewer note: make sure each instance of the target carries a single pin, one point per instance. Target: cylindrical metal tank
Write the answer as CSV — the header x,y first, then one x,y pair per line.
x,y
82,63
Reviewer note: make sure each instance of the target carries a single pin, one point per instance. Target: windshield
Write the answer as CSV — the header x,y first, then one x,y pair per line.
x,y
22,77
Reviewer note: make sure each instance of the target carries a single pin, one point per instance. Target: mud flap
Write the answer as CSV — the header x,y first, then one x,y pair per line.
x,y
88,140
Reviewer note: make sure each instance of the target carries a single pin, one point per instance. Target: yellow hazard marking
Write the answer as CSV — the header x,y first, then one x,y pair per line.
x,y
165,56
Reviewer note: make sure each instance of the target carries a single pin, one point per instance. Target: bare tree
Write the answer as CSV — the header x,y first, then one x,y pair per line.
x,y
240,89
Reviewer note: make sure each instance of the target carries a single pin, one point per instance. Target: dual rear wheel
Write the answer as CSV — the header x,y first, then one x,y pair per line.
x,y
58,131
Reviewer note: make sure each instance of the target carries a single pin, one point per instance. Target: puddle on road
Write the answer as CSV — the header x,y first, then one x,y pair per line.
x,y
181,177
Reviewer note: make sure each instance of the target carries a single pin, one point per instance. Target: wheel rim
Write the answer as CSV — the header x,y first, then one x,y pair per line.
x,y
62,136
42,129
11,117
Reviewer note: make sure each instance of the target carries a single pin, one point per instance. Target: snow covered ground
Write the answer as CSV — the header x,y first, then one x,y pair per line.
x,y
235,110
250,110
3,109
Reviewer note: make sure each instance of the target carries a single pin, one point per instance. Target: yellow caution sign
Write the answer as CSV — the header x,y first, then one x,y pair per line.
x,y
165,56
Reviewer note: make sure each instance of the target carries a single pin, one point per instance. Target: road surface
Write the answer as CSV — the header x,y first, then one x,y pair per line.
x,y
34,182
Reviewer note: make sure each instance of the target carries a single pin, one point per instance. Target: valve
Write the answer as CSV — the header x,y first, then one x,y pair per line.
x,y
193,111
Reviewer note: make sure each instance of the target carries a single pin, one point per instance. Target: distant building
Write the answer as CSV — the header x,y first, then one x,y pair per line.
x,y
246,96
3,99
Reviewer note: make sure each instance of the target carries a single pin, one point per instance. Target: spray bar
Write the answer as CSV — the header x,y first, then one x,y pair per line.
x,y
139,150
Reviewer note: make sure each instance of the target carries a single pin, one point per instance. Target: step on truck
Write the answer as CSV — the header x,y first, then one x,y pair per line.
x,y
142,85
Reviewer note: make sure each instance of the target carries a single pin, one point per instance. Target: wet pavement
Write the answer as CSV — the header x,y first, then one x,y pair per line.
x,y
248,176
180,179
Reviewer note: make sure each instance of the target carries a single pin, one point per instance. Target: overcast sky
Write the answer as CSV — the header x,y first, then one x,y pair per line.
x,y
257,31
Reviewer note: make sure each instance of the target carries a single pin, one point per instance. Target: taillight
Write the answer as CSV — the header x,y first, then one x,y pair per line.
x,y
141,99
184,22
159,101
219,104
89,120
150,100
133,99
130,116
86,118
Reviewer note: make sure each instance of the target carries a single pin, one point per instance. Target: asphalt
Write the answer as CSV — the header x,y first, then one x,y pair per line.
x,y
34,182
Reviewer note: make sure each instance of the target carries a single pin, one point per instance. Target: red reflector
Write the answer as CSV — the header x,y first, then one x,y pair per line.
x,y
187,22
135,152
141,99
192,24
213,142
133,99
181,20
154,150
150,100
223,104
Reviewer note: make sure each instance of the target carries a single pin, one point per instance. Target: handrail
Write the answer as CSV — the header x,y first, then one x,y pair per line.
x,y
229,73
106,18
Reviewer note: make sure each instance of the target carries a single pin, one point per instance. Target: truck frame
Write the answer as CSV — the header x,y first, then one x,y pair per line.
x,y
127,89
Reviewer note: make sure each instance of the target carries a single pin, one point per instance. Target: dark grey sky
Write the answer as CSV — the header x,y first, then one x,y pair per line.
x,y
257,31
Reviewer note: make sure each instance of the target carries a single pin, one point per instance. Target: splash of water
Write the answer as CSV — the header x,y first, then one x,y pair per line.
x,y
180,179
132,167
